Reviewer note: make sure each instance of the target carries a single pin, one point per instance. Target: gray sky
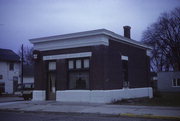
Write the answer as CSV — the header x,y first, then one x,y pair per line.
x,y
21,20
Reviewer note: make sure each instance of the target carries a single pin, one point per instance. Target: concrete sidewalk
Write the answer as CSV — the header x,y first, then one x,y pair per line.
x,y
92,108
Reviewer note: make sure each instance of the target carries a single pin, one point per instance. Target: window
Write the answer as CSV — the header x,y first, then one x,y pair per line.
x,y
27,86
52,66
86,63
2,88
19,87
176,82
78,73
71,64
125,71
78,64
1,76
11,66
79,80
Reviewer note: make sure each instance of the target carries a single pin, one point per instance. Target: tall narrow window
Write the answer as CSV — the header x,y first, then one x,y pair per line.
x,y
1,76
86,63
11,66
125,71
2,87
52,66
78,64
70,64
176,82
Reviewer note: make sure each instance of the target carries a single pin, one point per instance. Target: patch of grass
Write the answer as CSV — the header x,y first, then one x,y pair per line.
x,y
160,99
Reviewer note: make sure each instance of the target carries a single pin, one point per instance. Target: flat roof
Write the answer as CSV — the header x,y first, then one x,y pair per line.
x,y
105,32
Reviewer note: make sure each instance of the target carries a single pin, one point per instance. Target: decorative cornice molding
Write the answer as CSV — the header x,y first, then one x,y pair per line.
x,y
67,56
94,33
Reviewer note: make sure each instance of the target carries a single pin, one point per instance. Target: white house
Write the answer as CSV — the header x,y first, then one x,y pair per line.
x,y
168,81
9,71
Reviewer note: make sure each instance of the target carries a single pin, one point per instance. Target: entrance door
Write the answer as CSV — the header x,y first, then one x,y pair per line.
x,y
51,86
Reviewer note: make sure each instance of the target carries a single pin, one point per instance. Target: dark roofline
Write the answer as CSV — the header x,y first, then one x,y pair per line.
x,y
8,55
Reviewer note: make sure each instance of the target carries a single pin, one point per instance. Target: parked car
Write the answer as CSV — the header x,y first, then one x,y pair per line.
x,y
25,90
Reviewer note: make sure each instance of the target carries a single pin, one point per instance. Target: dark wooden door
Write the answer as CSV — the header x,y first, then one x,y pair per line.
x,y
51,91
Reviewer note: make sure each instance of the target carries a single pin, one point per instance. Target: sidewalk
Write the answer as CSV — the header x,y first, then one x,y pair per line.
x,y
105,109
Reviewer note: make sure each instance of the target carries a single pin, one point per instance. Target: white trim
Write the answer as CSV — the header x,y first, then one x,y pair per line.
x,y
39,95
87,34
71,43
148,53
102,96
69,36
124,57
67,56
176,81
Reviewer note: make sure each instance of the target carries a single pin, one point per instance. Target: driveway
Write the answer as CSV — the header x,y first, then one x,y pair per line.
x,y
10,99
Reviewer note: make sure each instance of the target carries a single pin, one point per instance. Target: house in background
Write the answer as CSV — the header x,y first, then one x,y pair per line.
x,y
9,71
168,81
91,66
26,86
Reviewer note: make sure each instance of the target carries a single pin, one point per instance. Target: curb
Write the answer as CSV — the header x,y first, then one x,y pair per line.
x,y
149,116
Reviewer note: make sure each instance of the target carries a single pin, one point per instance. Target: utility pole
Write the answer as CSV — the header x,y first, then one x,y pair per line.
x,y
22,60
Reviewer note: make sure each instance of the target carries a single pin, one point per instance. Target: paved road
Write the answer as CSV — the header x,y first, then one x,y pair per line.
x,y
123,110
21,116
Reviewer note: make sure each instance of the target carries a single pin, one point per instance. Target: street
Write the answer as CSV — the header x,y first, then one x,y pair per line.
x,y
24,116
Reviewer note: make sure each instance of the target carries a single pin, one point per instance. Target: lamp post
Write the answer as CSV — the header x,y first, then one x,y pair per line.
x,y
22,60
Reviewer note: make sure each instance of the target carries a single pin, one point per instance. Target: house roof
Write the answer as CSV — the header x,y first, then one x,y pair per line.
x,y
105,32
8,55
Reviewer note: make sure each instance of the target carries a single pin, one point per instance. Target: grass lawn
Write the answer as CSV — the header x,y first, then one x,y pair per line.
x,y
160,99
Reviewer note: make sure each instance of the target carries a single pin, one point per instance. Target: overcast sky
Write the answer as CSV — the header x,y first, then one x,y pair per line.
x,y
21,20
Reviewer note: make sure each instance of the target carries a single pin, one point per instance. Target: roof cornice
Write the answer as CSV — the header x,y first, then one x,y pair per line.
x,y
105,32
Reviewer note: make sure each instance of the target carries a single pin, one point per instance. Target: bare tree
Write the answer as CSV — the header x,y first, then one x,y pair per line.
x,y
28,55
164,37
